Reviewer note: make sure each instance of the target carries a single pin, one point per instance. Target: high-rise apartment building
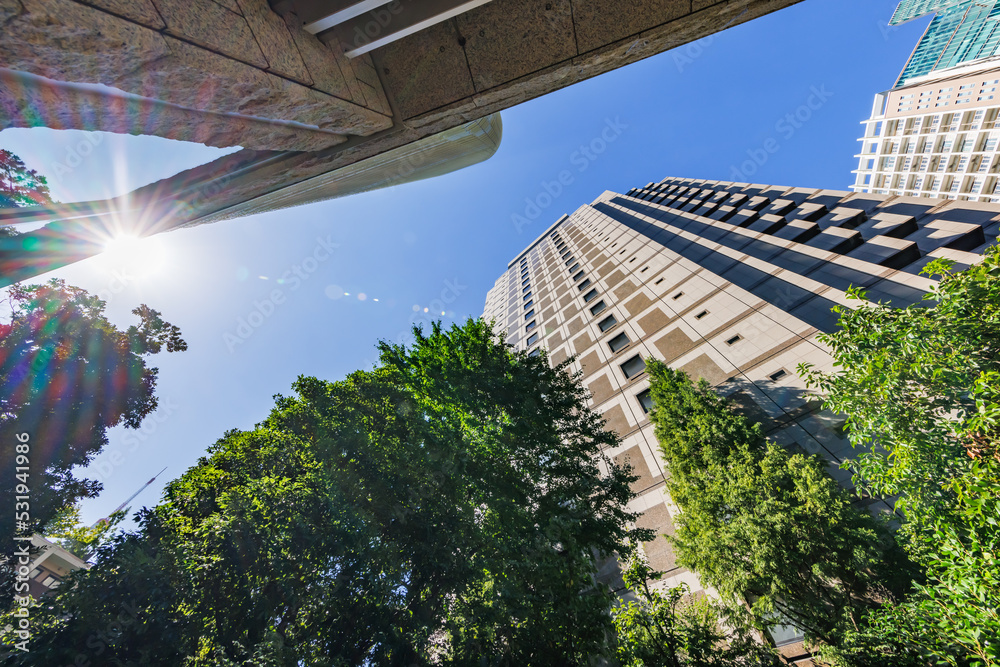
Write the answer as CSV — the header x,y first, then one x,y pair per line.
x,y
961,31
728,281
936,137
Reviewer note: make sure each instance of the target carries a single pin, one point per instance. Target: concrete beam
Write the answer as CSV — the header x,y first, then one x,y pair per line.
x,y
319,15
365,32
242,63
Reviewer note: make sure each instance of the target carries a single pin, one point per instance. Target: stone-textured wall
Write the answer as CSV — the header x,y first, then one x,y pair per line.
x,y
429,75
236,59
251,66
509,51
458,71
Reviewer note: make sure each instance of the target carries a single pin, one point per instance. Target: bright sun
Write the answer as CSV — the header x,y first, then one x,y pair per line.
x,y
141,257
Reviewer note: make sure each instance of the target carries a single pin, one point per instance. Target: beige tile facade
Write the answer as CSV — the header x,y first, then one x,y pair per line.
x,y
728,281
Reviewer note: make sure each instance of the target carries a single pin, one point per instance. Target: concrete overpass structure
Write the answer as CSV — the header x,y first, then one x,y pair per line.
x,y
307,88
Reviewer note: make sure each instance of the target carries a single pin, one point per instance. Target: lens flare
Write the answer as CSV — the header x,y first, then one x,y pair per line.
x,y
141,257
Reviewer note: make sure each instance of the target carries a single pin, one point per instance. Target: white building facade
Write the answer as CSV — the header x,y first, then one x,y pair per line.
x,y
937,137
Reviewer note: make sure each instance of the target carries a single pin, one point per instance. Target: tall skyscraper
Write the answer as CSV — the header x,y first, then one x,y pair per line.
x,y
936,137
907,10
962,31
728,281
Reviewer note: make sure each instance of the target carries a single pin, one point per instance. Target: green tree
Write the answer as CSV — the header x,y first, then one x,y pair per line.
x,y
20,186
67,375
446,507
68,531
764,526
665,628
921,383
921,390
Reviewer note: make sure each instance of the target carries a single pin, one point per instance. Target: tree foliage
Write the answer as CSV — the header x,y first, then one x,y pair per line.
x,y
922,383
67,375
664,627
68,531
764,526
921,389
20,186
446,507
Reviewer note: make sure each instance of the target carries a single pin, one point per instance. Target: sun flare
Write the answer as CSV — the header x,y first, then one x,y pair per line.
x,y
142,257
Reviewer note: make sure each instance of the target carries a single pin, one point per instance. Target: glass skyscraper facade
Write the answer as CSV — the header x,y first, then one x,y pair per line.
x,y
962,31
911,9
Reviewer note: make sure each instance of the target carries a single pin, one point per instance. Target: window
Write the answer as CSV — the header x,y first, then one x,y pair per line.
x,y
598,307
584,285
735,339
632,260
645,401
528,315
535,352
607,323
701,315
526,289
532,339
531,325
633,367
528,305
619,342
658,281
677,296
526,296
577,276
570,260
574,267
589,296
525,281
644,269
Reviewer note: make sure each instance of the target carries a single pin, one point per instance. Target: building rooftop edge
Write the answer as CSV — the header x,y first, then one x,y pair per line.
x,y
531,245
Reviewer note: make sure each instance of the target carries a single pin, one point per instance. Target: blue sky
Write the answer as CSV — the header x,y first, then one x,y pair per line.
x,y
701,111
